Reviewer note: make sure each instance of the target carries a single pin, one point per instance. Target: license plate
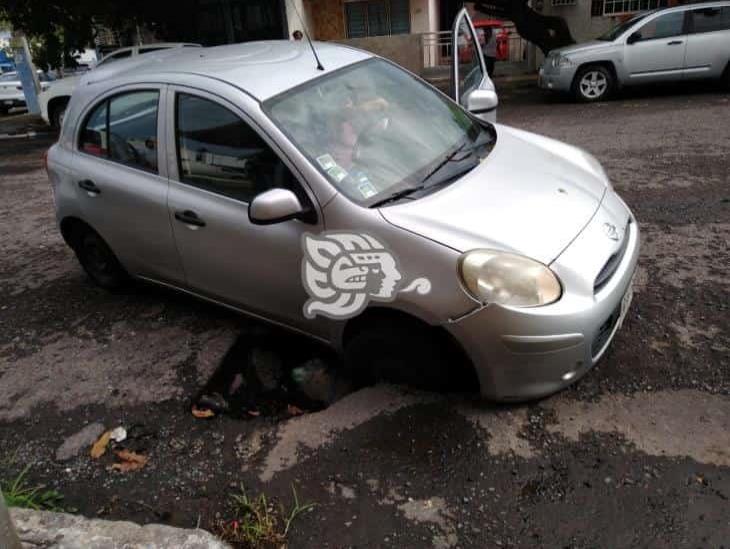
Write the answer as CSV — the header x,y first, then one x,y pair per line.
x,y
626,302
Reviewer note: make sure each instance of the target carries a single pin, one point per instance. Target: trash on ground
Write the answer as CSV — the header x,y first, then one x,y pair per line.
x,y
214,402
202,413
99,447
119,434
130,461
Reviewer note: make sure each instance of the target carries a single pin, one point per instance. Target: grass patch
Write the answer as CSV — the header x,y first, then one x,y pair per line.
x,y
259,522
18,493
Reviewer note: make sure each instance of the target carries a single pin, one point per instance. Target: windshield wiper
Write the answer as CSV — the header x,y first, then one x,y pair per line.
x,y
448,158
397,196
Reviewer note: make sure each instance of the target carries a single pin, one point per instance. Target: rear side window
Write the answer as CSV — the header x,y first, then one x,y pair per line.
x,y
94,135
219,152
124,129
116,57
710,19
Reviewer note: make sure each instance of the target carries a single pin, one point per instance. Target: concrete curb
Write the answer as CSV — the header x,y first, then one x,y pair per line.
x,y
64,531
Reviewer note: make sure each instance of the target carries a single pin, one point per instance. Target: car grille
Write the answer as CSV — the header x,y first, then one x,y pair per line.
x,y
612,264
604,332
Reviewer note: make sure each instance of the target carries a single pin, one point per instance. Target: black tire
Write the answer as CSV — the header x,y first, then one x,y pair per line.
x,y
57,114
99,262
399,350
4,111
593,83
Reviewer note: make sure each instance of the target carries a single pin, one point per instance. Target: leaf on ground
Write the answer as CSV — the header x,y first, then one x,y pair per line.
x,y
202,413
131,461
99,447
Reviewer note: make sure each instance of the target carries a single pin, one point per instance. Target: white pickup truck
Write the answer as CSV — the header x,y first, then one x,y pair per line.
x,y
53,100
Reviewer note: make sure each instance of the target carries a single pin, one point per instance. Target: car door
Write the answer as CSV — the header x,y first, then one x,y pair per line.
x,y
656,50
469,71
121,185
708,42
221,162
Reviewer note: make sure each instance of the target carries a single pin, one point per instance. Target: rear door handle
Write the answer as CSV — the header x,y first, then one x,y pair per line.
x,y
90,187
674,43
189,217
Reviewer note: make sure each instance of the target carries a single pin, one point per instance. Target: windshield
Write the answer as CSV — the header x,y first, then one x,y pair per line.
x,y
619,29
374,130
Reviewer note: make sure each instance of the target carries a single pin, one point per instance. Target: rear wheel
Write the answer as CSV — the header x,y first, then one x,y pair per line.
x,y
400,350
99,261
593,83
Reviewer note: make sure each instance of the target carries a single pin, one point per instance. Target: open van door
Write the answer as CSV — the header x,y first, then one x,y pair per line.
x,y
471,86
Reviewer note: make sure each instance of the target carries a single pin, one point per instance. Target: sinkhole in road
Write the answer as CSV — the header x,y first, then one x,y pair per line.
x,y
272,372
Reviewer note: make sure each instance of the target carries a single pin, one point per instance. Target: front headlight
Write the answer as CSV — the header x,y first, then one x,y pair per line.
x,y
508,279
562,61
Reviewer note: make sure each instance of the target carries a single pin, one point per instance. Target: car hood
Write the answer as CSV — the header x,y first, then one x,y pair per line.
x,y
582,48
531,195
64,85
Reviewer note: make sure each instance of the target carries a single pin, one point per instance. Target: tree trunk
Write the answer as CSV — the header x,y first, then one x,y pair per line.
x,y
547,32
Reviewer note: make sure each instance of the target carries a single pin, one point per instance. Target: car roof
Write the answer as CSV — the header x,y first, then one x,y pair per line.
x,y
261,69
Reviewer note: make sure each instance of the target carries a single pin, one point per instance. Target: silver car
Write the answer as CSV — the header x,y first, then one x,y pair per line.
x,y
355,204
666,45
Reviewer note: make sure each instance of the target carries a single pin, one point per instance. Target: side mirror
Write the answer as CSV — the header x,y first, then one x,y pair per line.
x,y
480,102
274,206
634,37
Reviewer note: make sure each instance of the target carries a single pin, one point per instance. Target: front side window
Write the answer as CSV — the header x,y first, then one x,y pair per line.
x,y
124,129
710,19
664,26
219,152
371,128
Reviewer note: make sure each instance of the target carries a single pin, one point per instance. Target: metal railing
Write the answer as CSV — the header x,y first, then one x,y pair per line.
x,y
437,48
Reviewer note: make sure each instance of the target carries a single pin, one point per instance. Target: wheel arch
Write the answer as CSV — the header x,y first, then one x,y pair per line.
x,y
71,228
376,314
603,63
55,103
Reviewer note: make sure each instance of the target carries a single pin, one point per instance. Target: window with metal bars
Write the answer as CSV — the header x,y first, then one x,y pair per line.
x,y
377,18
617,7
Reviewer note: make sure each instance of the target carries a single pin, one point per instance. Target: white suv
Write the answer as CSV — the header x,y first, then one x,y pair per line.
x,y
54,100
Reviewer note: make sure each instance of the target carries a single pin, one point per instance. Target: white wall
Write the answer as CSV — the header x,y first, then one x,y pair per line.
x,y
424,16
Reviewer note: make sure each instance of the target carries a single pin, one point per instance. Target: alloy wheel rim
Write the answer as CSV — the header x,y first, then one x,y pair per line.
x,y
593,84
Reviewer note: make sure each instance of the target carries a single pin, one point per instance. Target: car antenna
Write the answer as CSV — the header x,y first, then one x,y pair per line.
x,y
306,33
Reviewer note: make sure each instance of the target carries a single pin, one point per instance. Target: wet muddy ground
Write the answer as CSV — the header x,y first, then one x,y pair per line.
x,y
635,454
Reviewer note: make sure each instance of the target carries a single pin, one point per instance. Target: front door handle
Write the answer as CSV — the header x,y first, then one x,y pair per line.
x,y
90,187
189,217
674,43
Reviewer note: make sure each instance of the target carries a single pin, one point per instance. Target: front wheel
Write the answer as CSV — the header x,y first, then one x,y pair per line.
x,y
99,262
593,83
404,351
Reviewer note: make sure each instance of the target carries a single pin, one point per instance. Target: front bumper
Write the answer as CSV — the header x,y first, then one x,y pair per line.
x,y
525,353
556,78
